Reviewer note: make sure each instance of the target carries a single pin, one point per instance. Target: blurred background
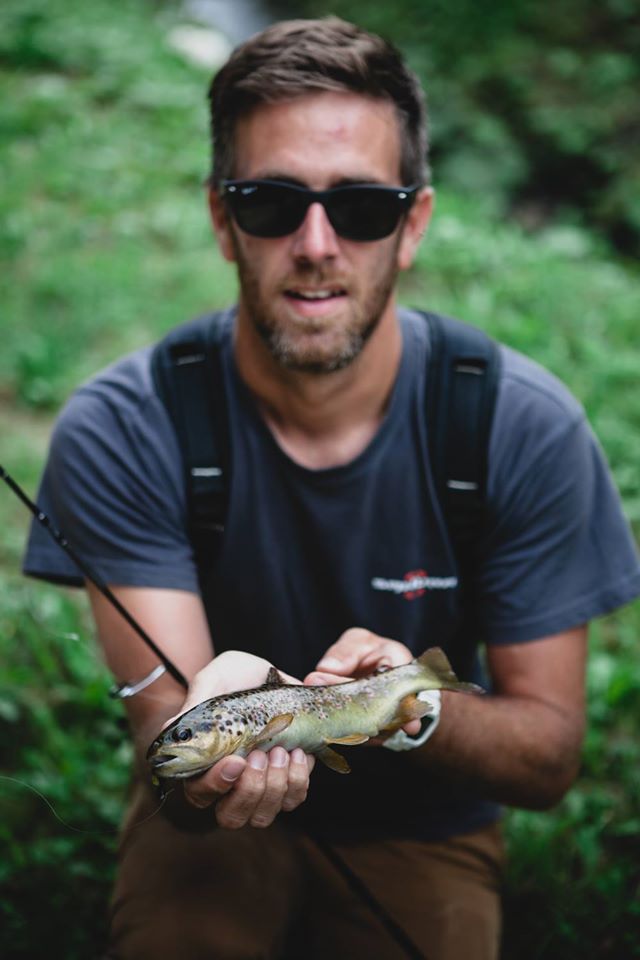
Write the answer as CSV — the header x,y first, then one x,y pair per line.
x,y
105,244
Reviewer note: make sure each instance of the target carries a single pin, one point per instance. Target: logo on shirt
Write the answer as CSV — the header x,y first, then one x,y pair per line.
x,y
415,584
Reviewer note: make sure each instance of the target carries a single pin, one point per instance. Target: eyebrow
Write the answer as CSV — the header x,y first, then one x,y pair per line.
x,y
349,181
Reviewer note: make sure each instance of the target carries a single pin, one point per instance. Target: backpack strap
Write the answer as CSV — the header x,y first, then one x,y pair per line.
x,y
187,373
462,381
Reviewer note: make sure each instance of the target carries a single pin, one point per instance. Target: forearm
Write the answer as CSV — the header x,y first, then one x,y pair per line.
x,y
513,749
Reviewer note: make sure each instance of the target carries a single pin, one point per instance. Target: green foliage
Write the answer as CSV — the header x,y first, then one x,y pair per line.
x,y
64,760
106,148
573,888
534,105
104,244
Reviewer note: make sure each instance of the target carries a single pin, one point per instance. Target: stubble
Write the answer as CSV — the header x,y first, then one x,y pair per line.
x,y
318,346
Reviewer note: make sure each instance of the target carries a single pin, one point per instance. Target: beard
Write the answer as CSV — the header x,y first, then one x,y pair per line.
x,y
317,345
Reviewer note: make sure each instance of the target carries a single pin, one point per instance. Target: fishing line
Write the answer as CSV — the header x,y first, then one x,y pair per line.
x,y
69,826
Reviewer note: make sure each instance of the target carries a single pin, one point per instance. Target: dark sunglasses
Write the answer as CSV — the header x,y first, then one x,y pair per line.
x,y
362,212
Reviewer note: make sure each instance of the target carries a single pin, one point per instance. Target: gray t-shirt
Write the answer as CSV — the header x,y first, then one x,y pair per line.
x,y
308,553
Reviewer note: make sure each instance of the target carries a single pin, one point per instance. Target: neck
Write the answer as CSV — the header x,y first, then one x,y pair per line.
x,y
322,420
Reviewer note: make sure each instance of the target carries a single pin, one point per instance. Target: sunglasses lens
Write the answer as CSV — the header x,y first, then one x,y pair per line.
x,y
267,210
365,213
361,213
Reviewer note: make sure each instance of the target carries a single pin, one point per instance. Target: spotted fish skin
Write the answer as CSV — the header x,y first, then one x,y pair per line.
x,y
291,715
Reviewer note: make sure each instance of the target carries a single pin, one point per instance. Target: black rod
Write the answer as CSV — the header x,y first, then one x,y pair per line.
x,y
97,581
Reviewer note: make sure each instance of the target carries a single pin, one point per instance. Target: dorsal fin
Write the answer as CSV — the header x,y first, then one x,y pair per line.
x,y
273,677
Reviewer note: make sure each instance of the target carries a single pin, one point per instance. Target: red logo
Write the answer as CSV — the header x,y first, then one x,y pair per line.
x,y
418,577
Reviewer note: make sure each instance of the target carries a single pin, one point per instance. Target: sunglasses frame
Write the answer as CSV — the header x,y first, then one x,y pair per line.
x,y
405,197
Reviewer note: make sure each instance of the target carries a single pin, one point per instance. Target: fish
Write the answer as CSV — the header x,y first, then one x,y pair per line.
x,y
293,715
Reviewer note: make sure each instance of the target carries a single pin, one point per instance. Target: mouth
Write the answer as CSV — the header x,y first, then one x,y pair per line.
x,y
160,759
161,772
315,301
312,295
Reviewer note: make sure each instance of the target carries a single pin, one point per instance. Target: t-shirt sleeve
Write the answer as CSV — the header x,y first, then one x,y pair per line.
x,y
559,551
113,486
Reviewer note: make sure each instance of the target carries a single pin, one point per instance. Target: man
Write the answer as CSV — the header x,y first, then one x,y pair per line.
x,y
330,504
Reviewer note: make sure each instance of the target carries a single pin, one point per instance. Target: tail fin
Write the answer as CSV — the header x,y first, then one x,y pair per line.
x,y
436,662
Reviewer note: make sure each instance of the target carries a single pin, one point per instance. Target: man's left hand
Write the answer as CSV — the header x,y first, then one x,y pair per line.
x,y
358,653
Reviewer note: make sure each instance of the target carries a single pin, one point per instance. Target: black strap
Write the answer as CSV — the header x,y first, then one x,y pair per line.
x,y
188,376
462,382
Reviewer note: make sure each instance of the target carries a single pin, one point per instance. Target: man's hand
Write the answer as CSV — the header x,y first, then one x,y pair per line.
x,y
357,653
252,790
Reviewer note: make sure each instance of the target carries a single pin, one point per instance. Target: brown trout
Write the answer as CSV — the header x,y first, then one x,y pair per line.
x,y
291,715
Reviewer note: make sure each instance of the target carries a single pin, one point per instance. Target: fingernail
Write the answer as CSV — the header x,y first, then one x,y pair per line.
x,y
298,756
278,757
258,760
329,663
232,769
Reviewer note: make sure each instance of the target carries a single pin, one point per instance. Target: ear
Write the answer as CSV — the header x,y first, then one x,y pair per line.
x,y
414,227
221,225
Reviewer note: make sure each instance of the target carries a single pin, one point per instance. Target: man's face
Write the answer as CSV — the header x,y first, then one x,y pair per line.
x,y
313,296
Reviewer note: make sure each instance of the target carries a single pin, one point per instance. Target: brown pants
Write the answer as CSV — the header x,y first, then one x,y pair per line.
x,y
274,895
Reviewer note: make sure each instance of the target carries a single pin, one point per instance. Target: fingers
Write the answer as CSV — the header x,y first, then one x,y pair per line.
x,y
202,791
263,785
300,766
412,728
359,651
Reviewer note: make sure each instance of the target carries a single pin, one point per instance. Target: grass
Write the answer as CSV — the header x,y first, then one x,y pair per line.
x,y
105,244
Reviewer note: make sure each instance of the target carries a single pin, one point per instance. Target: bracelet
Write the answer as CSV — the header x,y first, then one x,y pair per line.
x,y
402,741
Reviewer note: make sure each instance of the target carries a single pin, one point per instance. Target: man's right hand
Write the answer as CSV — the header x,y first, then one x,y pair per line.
x,y
252,790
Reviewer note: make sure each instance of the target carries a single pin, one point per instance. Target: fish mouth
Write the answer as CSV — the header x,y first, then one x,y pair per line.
x,y
161,766
159,759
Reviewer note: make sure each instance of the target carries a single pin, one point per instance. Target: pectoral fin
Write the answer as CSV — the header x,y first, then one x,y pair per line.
x,y
274,726
352,740
333,760
409,708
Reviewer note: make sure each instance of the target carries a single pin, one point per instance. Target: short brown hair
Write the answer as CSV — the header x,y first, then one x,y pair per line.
x,y
295,57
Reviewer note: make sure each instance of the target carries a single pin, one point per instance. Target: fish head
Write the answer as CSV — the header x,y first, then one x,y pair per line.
x,y
191,744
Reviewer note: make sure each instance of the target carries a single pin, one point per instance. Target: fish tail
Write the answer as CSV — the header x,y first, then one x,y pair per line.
x,y
437,663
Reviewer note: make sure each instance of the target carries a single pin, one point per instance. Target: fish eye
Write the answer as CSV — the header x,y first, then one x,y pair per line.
x,y
182,735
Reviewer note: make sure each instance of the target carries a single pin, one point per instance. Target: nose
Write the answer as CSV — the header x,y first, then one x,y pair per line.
x,y
315,239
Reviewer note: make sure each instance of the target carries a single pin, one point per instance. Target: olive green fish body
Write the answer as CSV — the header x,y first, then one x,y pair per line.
x,y
291,715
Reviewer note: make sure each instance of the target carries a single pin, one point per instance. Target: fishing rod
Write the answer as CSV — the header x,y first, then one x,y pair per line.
x,y
126,689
